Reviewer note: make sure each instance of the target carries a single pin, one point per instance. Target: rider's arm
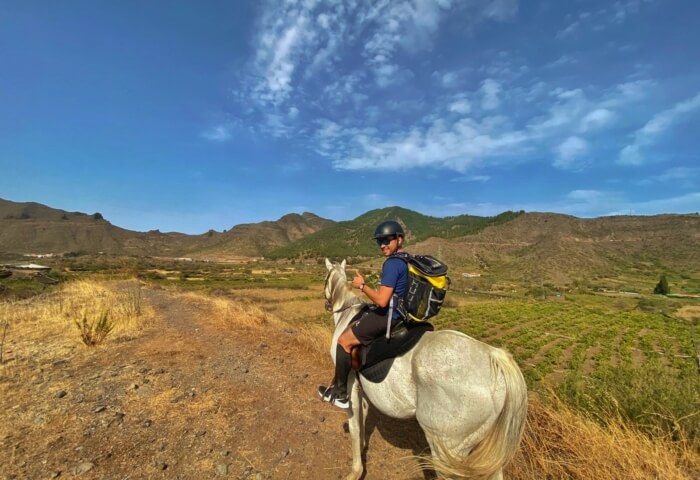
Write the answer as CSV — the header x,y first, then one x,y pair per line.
x,y
380,298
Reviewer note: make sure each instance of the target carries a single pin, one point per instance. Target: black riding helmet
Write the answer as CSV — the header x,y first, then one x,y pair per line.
x,y
388,229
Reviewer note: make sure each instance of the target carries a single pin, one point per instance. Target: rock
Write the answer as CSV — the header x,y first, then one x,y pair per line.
x,y
61,394
58,363
147,423
83,468
134,386
100,409
222,469
55,474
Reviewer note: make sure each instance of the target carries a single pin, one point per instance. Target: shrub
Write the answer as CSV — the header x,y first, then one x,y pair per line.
x,y
662,287
94,332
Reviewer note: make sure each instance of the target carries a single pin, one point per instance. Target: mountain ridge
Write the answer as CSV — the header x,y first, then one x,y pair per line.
x,y
532,247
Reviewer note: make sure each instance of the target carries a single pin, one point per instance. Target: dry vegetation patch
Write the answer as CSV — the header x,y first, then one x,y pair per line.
x,y
562,443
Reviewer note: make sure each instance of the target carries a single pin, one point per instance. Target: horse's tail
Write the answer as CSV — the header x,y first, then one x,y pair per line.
x,y
487,460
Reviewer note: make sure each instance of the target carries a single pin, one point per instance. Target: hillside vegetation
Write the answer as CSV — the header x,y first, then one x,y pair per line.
x,y
354,237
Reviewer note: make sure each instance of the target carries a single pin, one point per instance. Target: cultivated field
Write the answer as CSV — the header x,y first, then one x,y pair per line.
x,y
614,379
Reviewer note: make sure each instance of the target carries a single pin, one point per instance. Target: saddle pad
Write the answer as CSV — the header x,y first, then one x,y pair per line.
x,y
401,341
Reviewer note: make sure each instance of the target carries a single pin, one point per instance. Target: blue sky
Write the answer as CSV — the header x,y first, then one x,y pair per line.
x,y
185,116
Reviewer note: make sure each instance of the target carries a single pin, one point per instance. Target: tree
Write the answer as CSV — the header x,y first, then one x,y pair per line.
x,y
662,287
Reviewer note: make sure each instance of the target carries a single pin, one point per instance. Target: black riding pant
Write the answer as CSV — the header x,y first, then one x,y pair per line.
x,y
370,325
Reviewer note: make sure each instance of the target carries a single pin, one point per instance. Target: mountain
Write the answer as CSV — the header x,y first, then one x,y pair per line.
x,y
547,247
257,239
534,248
354,237
36,228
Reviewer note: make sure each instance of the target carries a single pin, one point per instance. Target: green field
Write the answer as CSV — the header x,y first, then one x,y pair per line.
x,y
629,356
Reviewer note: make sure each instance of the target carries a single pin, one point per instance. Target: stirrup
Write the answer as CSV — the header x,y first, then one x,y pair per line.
x,y
327,394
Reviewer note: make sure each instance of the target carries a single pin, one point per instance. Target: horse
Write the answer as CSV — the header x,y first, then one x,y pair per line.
x,y
469,398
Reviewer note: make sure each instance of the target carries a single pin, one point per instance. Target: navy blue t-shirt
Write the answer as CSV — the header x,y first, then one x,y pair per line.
x,y
395,275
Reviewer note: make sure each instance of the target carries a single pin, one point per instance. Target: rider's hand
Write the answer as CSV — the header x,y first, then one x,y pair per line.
x,y
358,281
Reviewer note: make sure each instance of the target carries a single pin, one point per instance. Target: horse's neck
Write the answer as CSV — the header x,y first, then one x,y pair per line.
x,y
345,299
345,306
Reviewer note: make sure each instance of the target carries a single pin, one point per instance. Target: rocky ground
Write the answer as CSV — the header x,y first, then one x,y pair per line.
x,y
190,398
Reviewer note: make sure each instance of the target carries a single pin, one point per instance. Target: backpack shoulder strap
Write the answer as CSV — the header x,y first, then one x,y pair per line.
x,y
405,256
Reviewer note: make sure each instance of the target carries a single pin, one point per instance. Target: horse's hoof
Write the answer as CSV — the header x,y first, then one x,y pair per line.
x,y
354,476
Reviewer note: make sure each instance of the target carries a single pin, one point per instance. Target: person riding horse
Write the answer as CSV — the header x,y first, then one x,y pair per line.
x,y
373,323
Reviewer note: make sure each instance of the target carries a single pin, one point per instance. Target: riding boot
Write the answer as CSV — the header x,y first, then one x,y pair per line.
x,y
343,365
337,394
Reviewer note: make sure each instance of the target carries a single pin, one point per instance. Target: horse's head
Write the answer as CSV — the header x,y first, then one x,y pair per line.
x,y
338,293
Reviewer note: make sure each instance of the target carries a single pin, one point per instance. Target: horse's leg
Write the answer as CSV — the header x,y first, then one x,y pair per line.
x,y
356,425
363,421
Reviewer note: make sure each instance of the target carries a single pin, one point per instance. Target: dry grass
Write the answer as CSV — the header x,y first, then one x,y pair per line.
x,y
46,325
243,312
562,443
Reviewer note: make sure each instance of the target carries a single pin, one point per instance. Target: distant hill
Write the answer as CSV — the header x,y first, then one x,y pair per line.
x,y
548,247
36,228
256,239
535,248
354,237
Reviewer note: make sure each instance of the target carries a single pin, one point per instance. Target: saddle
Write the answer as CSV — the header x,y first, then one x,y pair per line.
x,y
377,358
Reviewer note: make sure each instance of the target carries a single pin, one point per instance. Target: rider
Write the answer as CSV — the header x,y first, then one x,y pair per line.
x,y
390,238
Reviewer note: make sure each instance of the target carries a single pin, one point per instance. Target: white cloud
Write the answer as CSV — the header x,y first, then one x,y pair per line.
x,y
490,90
218,133
586,195
472,178
633,153
688,203
461,106
569,152
679,173
613,14
683,177
596,119
456,146
449,79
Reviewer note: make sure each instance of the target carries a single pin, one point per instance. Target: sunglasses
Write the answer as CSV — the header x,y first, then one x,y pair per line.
x,y
381,242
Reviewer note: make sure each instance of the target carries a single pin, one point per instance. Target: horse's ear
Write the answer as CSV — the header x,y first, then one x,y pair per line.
x,y
342,264
329,265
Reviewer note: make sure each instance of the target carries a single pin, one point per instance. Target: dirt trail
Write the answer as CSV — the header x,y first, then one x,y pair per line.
x,y
190,398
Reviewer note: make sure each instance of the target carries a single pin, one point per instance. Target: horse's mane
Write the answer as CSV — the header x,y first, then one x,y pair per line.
x,y
340,292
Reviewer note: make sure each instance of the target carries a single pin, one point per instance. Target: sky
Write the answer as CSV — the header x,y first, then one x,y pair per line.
x,y
189,116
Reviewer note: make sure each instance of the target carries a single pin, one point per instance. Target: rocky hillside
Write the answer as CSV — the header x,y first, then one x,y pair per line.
x,y
35,228
546,247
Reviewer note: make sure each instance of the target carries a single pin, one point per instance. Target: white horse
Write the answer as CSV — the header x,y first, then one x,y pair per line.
x,y
469,398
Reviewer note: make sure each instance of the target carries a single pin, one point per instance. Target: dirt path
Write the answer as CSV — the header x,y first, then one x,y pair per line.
x,y
190,399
